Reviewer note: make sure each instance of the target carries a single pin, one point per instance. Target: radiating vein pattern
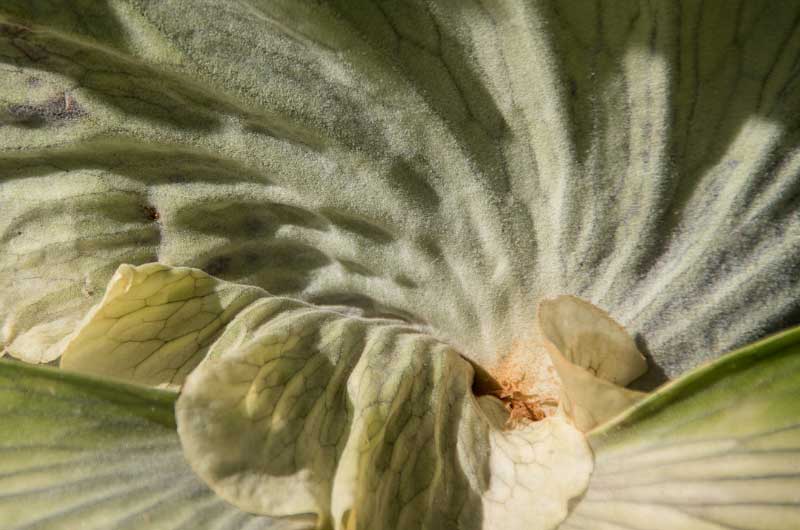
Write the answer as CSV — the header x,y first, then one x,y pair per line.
x,y
447,162
78,453
719,450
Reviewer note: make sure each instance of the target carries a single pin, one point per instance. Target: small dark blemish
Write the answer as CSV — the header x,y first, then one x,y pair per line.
x,y
60,108
151,213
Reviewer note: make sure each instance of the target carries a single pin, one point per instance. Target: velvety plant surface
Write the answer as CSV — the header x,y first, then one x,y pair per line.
x,y
393,263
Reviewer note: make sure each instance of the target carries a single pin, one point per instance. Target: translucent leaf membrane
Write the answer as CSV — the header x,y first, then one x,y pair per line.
x,y
450,163
716,450
291,408
594,358
154,324
77,452
369,424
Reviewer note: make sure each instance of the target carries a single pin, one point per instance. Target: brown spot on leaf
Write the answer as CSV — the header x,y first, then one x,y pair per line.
x,y
57,109
69,102
522,407
151,213
525,381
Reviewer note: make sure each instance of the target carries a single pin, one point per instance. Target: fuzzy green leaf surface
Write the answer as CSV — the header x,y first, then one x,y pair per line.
x,y
426,170
716,450
79,452
447,162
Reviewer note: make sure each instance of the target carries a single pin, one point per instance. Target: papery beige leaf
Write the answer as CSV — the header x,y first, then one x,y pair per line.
x,y
368,424
594,357
154,324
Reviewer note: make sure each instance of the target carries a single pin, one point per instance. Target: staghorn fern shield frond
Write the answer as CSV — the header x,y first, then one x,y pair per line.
x,y
409,254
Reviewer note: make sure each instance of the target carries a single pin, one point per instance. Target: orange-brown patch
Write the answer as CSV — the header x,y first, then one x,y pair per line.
x,y
151,213
524,380
523,407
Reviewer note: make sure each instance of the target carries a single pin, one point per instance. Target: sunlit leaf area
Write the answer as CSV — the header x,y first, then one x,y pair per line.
x,y
399,264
